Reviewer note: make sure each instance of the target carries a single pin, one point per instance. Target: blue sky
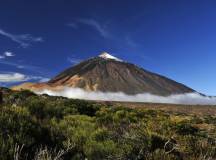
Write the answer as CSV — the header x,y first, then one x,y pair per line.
x,y
38,39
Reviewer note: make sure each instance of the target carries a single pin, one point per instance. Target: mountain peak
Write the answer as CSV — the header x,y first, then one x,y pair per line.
x,y
106,74
106,55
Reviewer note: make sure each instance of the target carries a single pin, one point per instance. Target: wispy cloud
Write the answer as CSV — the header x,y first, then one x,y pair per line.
x,y
9,54
6,54
11,64
105,31
2,57
101,29
74,60
24,40
13,77
73,25
27,67
129,41
43,79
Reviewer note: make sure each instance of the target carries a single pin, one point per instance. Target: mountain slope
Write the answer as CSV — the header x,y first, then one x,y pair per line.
x,y
109,74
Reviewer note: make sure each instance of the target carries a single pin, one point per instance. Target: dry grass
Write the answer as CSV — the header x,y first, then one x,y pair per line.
x,y
173,108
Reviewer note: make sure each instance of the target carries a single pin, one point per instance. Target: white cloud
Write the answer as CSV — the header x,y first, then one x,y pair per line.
x,y
23,39
2,57
101,29
105,32
9,54
189,98
74,60
12,77
38,78
42,79
20,66
6,54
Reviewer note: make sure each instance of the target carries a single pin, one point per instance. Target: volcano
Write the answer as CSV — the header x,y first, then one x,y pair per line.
x,y
107,73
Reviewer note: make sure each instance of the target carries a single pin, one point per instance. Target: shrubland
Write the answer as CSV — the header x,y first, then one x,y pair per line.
x,y
52,128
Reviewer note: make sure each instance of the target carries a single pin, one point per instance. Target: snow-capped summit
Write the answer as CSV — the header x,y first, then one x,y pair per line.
x,y
105,73
106,55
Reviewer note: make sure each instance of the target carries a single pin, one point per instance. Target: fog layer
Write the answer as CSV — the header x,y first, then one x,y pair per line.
x,y
188,98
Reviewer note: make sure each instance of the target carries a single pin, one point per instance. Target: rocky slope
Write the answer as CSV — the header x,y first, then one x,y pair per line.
x,y
107,73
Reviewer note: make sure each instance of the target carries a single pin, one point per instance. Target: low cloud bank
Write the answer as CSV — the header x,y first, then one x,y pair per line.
x,y
188,98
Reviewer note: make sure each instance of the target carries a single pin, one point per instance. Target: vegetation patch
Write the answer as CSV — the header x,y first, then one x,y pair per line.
x,y
46,128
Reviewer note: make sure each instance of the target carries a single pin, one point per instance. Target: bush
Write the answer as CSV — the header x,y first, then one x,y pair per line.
x,y
47,125
186,129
